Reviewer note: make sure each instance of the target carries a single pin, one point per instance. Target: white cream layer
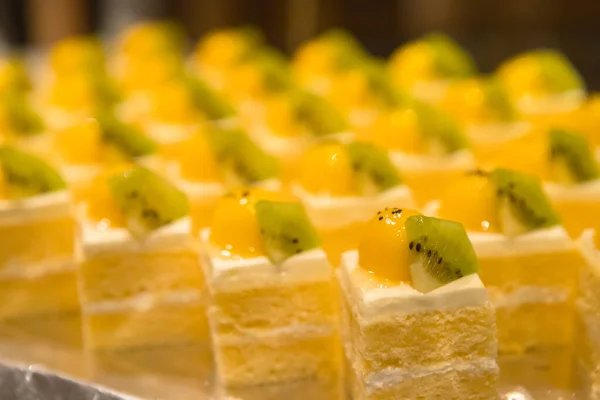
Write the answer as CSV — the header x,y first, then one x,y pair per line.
x,y
431,91
497,133
375,303
543,241
22,269
289,332
200,191
93,239
163,133
580,192
528,294
458,161
80,173
37,208
333,212
281,147
229,274
144,302
553,104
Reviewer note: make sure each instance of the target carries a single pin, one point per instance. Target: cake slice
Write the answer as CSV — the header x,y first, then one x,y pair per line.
x,y
273,310
341,185
139,275
416,318
37,270
528,262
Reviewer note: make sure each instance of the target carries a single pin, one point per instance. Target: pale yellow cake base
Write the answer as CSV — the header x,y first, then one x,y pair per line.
x,y
311,303
48,294
281,358
161,325
121,275
469,384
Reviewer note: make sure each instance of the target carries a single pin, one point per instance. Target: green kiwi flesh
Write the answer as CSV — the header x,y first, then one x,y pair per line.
x,y
450,59
439,128
147,200
27,175
21,116
285,229
373,167
234,149
523,205
442,252
318,114
498,100
557,72
128,138
213,105
573,151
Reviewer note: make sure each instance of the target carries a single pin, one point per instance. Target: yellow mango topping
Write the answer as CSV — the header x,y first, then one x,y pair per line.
x,y
472,201
351,89
313,60
234,229
413,63
399,130
197,160
466,100
80,144
327,169
280,116
383,249
74,92
220,49
245,81
102,207
172,103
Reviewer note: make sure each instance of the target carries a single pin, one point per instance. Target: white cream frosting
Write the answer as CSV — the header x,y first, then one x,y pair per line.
x,y
231,274
80,173
496,133
527,294
392,376
580,192
460,160
375,303
37,208
326,211
552,104
164,133
143,302
281,147
431,91
23,269
93,239
543,241
196,191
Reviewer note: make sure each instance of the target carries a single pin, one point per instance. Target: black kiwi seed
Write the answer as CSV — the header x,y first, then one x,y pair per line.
x,y
418,247
378,212
245,193
511,185
410,245
440,260
295,240
380,218
149,213
428,253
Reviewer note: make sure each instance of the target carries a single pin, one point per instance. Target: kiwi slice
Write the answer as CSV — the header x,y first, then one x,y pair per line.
x,y
23,119
128,138
285,229
439,128
523,205
213,105
557,72
147,200
27,175
234,149
318,114
442,252
349,51
373,167
573,151
14,76
274,67
451,60
498,100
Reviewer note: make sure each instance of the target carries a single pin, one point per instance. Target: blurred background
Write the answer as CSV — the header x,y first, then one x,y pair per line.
x,y
491,30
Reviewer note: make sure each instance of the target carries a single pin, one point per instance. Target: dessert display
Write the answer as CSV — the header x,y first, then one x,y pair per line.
x,y
238,202
139,275
273,309
528,262
341,186
37,270
426,66
417,319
